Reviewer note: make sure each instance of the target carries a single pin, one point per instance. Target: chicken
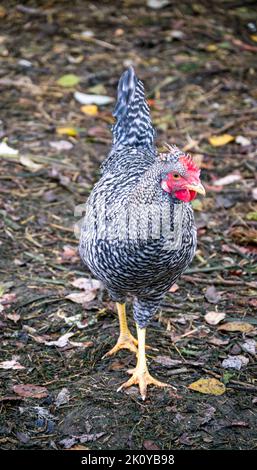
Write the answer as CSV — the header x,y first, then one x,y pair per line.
x,y
138,233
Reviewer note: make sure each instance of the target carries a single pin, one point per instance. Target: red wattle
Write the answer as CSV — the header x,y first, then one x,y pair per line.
x,y
185,195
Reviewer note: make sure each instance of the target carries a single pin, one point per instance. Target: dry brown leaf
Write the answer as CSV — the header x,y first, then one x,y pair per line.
x,y
218,342
236,326
174,288
208,386
86,283
81,297
30,391
213,318
13,364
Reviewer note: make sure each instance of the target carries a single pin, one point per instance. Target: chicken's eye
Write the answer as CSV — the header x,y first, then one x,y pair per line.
x,y
176,176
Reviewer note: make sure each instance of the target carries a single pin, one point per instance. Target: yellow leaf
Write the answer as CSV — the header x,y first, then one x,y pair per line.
x,y
254,37
209,386
237,326
89,109
219,140
211,48
71,131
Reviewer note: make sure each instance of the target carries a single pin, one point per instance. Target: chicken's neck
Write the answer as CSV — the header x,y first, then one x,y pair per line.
x,y
148,189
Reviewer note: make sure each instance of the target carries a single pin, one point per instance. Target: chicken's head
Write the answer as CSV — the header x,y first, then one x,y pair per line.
x,y
182,176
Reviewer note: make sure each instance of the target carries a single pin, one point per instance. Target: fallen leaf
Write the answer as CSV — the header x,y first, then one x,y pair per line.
x,y
68,80
89,109
28,163
211,48
236,326
61,145
30,391
62,397
61,342
213,318
235,362
252,215
79,447
68,442
229,179
90,437
86,283
81,297
218,341
150,445
208,386
157,4
174,288
177,34
69,252
212,295
249,346
71,131
243,141
99,100
5,150
15,317
13,364
166,361
219,140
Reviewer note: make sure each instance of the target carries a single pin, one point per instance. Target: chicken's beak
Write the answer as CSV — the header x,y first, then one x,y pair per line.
x,y
198,188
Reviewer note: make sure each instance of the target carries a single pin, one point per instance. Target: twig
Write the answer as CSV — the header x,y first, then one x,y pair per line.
x,y
218,282
212,268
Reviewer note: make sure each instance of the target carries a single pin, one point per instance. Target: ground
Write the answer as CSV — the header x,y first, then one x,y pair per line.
x,y
199,68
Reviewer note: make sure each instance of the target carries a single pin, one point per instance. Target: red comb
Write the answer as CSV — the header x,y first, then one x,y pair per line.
x,y
188,162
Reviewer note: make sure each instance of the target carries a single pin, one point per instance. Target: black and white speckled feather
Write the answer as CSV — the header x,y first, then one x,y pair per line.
x,y
144,267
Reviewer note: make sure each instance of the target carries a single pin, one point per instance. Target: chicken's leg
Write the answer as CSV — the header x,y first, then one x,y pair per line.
x,y
140,375
126,340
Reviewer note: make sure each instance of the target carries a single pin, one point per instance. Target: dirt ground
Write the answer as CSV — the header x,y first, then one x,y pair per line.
x,y
198,63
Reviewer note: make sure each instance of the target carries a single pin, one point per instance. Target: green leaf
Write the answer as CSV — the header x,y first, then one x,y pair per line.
x,y
227,376
252,215
68,80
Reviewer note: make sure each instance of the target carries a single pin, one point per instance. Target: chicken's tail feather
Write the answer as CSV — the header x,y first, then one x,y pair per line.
x,y
133,125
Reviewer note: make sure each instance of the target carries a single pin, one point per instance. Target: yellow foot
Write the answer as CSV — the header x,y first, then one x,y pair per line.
x,y
124,342
142,379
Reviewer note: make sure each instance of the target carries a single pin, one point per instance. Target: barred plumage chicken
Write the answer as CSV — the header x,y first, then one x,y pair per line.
x,y
138,234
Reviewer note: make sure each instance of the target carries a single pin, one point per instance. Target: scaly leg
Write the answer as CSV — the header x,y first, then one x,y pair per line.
x,y
126,340
140,375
